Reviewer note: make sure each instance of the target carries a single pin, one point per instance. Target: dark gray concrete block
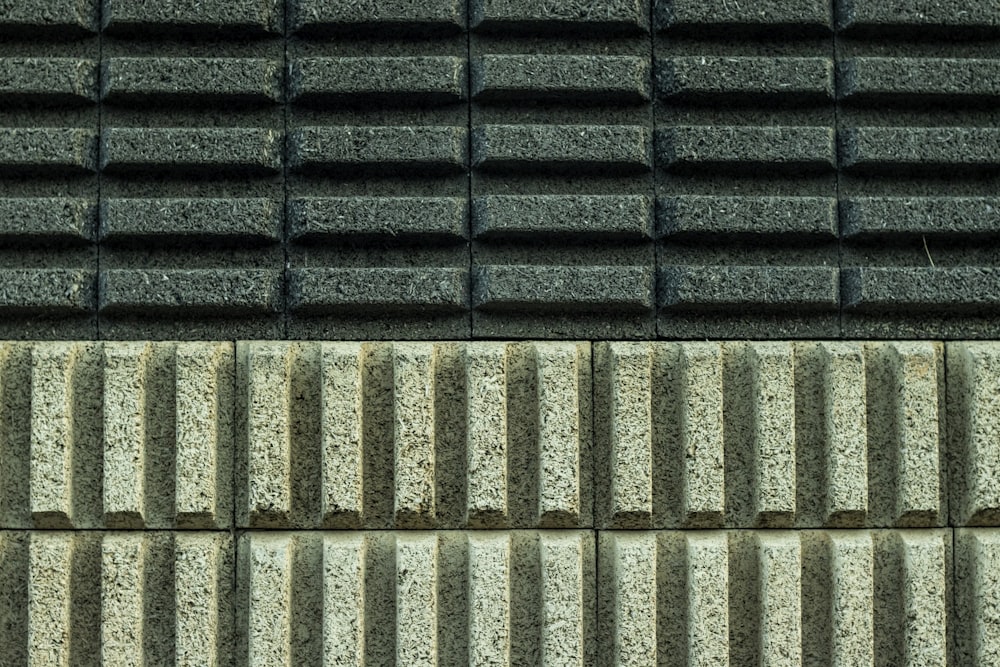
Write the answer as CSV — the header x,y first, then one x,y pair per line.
x,y
225,17
959,218
401,219
972,290
202,151
750,288
48,292
378,80
790,150
891,149
566,289
233,221
579,217
377,17
47,150
952,81
185,80
47,220
201,292
361,150
941,17
732,79
594,79
46,18
608,149
704,16
426,291
48,81
697,216
577,16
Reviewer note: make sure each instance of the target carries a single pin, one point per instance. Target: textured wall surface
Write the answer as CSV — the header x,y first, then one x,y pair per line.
x,y
551,503
621,169
500,332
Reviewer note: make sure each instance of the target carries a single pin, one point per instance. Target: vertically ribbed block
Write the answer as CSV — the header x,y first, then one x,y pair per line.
x,y
706,588
203,598
413,368
57,450
50,569
414,435
203,474
268,433
417,599
561,487
487,436
125,368
623,432
769,434
775,597
973,448
772,370
342,433
123,593
977,608
701,434
344,581
266,570
490,574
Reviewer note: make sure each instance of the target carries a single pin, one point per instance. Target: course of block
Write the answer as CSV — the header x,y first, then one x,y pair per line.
x,y
497,169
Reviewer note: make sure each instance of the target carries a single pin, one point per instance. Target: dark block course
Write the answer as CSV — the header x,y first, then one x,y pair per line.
x,y
446,169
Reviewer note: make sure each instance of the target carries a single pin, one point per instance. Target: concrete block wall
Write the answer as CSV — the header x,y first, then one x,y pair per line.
x,y
446,332
614,503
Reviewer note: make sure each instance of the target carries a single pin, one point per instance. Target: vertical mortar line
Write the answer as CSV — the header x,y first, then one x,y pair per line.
x,y
468,219
652,167
286,267
836,160
100,149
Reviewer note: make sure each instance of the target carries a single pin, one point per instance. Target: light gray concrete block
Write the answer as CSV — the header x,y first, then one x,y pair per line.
x,y
417,597
770,434
118,598
774,597
974,458
443,435
977,577
120,435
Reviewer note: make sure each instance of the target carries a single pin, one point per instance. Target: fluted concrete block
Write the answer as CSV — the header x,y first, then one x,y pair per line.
x,y
116,435
769,434
414,435
977,607
416,597
117,598
773,597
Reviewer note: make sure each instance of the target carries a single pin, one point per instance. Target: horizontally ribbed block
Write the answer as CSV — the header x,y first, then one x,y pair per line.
x,y
915,80
319,18
353,151
584,149
208,292
728,79
49,81
421,435
699,216
741,148
567,289
386,290
806,17
59,292
191,151
426,598
234,221
769,434
778,597
406,219
627,17
955,217
63,220
391,81
922,149
214,80
117,598
920,18
230,18
579,217
557,78
760,288
47,151
968,290
117,435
